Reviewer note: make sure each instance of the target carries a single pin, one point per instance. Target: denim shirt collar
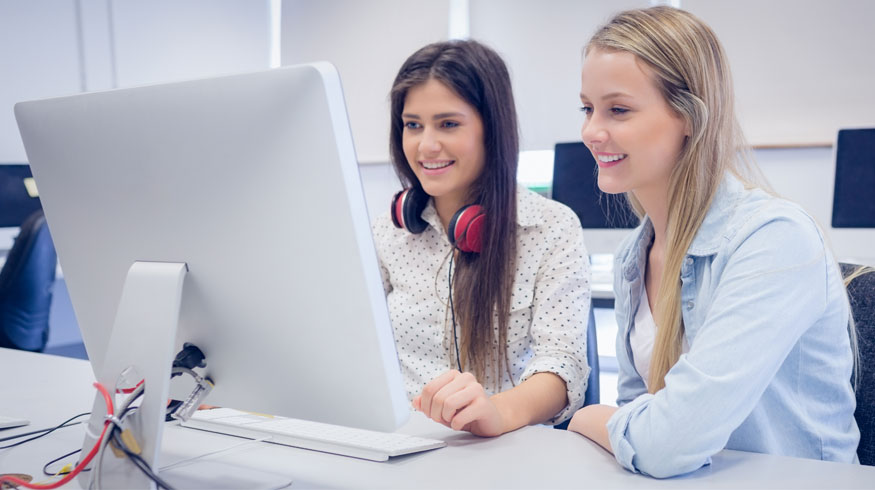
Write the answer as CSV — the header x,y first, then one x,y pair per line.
x,y
714,229
634,262
712,232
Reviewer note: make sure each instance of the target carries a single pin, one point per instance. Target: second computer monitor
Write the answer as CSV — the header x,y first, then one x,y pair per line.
x,y
575,184
853,201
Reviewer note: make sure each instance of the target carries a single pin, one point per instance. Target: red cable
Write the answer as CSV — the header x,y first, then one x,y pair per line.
x,y
82,464
130,390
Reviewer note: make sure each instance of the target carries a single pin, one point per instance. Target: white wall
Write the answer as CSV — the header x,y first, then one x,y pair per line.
x,y
61,47
542,44
39,56
164,40
56,47
380,184
802,68
367,41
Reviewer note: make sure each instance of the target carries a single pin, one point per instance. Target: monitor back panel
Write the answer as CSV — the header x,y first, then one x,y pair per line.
x,y
252,180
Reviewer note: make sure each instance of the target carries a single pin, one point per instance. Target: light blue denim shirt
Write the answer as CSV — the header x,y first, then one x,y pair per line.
x,y
770,361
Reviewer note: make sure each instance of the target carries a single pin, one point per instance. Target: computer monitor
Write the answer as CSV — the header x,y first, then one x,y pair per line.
x,y
853,203
605,218
251,181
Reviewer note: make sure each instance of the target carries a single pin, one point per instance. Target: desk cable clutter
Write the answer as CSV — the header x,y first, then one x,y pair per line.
x,y
121,439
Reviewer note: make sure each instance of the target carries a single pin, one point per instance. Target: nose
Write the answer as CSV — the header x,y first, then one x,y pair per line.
x,y
429,144
593,132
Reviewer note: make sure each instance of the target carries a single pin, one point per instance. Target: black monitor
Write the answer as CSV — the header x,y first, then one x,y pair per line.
x,y
18,197
575,184
853,201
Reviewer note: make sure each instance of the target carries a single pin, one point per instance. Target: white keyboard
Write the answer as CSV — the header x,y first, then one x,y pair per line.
x,y
602,269
335,439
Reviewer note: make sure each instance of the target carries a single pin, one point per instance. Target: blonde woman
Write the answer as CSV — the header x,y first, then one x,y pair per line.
x,y
733,319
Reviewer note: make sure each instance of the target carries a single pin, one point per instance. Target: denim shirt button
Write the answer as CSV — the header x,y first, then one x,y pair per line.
x,y
690,305
687,268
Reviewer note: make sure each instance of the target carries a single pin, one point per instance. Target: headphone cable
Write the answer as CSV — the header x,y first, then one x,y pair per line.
x,y
452,310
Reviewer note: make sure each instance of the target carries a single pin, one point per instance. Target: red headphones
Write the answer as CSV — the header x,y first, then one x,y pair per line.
x,y
464,230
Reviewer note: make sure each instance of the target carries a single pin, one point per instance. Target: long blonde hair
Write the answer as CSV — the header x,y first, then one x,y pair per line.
x,y
691,71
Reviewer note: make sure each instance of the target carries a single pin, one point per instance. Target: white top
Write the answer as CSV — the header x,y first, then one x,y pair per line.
x,y
549,305
642,336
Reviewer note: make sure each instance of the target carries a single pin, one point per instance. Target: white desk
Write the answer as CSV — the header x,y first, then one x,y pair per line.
x,y
49,389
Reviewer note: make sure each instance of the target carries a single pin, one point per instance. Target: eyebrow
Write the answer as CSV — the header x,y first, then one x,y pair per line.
x,y
608,96
442,115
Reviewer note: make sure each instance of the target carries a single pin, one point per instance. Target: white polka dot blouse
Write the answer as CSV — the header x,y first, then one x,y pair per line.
x,y
549,305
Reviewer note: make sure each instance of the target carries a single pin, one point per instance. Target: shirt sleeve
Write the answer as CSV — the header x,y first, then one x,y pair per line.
x,y
772,288
560,312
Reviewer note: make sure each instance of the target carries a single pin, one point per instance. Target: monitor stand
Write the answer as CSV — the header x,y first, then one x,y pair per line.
x,y
141,347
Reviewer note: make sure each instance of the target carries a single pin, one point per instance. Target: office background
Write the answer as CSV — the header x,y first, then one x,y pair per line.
x,y
802,70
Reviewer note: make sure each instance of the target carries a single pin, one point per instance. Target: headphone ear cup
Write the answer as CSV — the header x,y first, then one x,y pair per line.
x,y
396,210
406,210
465,230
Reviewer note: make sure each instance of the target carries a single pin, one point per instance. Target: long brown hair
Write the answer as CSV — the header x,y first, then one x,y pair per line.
x,y
482,283
691,71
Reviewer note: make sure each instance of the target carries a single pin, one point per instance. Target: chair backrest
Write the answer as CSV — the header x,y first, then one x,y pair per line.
x,y
26,282
591,396
592,356
18,200
861,292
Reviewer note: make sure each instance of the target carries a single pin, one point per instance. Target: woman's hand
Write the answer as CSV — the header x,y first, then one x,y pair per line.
x,y
459,402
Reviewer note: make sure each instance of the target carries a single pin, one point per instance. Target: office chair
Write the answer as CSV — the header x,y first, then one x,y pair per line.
x,y
16,201
861,292
26,287
592,356
591,396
